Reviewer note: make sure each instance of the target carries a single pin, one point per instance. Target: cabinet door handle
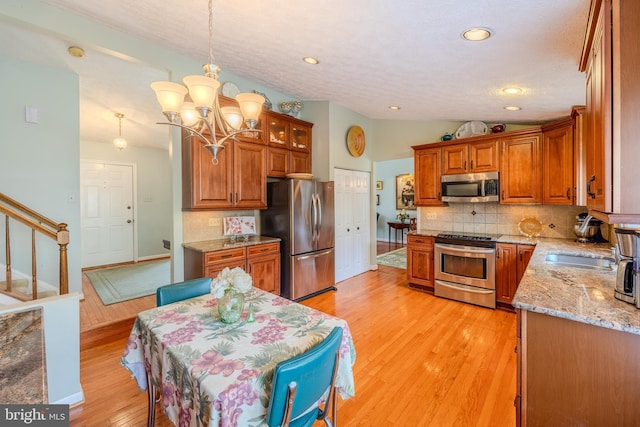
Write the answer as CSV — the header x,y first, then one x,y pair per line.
x,y
230,197
589,192
465,165
569,193
520,255
498,254
439,197
236,197
471,164
502,194
226,256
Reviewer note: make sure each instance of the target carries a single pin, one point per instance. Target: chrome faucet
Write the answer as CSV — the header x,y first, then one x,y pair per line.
x,y
585,224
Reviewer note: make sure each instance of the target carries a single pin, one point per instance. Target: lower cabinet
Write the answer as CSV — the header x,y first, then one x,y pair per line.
x,y
261,261
263,264
575,374
420,261
511,263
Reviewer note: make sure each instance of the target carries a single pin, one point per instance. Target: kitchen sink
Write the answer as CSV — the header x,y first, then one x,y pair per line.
x,y
580,261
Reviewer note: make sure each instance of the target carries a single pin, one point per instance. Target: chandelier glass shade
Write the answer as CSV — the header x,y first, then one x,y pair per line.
x,y
196,107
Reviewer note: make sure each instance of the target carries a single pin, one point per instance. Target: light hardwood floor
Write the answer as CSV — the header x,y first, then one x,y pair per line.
x,y
421,360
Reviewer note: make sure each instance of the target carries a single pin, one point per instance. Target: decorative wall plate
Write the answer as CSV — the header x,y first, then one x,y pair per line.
x,y
230,90
474,128
530,226
356,141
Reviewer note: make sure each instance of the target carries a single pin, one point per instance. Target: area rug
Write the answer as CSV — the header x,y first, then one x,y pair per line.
x,y
130,281
397,258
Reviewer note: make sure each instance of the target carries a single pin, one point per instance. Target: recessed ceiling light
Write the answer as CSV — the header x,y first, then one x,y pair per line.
x,y
512,90
394,107
477,34
512,108
310,60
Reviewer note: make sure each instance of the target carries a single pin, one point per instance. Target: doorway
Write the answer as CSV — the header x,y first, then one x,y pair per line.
x,y
107,212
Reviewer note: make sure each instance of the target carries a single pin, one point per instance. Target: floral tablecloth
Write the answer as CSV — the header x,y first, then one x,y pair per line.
x,y
216,374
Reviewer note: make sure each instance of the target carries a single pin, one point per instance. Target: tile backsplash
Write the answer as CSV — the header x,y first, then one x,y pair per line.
x,y
494,218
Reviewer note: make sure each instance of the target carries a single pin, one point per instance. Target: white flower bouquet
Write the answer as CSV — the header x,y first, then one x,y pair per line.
x,y
236,279
402,216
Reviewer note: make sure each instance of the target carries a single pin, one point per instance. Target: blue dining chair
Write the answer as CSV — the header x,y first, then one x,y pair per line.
x,y
300,382
183,290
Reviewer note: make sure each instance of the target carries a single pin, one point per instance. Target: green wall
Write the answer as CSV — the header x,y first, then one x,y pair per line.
x,y
39,162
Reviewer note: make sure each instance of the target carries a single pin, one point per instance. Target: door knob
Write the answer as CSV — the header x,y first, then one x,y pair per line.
x,y
128,221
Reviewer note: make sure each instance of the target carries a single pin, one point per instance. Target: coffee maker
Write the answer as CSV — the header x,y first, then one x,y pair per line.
x,y
628,268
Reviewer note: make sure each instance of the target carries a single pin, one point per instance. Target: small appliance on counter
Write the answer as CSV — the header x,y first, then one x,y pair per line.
x,y
588,232
627,279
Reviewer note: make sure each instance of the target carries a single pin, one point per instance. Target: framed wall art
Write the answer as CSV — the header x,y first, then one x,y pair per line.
x,y
405,191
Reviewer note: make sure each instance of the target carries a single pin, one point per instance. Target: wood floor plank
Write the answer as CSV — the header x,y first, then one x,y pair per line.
x,y
421,360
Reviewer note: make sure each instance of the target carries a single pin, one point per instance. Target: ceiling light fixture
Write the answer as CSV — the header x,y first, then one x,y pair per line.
x,y
512,90
394,107
477,34
120,142
204,114
310,60
75,51
512,108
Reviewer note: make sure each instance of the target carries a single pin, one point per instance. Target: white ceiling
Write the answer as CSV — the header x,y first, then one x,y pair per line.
x,y
373,54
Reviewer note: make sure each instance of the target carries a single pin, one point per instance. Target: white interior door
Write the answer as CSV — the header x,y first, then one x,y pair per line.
x,y
107,213
352,204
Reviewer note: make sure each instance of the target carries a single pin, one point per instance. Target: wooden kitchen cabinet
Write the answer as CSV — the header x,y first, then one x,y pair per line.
x,y
286,133
420,262
558,158
511,263
427,191
237,181
263,264
610,58
261,261
470,158
521,168
575,374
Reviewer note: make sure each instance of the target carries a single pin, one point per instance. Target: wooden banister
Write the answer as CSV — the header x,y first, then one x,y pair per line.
x,y
37,223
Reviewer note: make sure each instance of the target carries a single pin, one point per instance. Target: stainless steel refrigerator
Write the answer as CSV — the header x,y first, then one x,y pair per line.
x,y
301,213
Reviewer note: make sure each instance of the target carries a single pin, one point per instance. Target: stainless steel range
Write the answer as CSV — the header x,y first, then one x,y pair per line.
x,y
465,268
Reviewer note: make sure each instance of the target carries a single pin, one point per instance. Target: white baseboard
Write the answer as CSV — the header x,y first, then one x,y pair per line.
x,y
150,257
72,400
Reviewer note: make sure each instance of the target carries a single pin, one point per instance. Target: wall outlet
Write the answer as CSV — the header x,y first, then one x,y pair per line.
x,y
214,222
431,215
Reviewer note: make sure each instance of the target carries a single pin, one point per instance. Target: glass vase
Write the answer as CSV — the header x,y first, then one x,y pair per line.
x,y
230,306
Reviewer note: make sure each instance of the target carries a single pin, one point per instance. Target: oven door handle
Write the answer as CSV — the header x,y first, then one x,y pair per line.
x,y
465,288
458,248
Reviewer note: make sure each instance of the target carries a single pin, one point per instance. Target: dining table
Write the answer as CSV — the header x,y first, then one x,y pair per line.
x,y
211,373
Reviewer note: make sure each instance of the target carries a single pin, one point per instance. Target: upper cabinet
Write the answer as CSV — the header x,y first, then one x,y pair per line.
x,y
289,144
470,158
610,58
521,168
239,179
427,176
558,158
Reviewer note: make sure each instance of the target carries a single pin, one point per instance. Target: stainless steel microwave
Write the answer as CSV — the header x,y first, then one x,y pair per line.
x,y
471,187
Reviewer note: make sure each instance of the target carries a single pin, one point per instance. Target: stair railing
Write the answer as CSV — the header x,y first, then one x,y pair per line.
x,y
43,225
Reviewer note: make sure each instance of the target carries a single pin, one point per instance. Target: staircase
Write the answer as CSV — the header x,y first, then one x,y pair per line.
x,y
27,288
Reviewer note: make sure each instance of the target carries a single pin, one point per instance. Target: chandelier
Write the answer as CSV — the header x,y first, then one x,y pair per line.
x,y
201,113
120,142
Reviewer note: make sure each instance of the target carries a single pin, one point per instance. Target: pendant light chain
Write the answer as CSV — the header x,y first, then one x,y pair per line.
x,y
211,32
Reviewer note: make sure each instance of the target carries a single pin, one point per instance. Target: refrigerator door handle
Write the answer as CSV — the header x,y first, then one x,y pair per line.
x,y
314,213
319,218
314,255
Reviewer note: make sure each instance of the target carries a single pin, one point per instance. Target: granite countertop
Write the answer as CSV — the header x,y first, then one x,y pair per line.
x,y
220,244
583,295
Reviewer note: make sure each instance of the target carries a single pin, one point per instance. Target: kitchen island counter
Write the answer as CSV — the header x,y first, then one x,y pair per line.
x,y
580,294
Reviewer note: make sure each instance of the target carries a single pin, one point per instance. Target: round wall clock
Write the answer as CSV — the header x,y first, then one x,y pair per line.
x,y
355,141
